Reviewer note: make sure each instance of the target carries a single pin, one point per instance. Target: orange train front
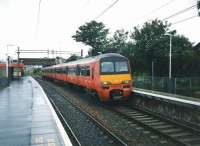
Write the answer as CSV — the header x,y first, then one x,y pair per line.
x,y
107,76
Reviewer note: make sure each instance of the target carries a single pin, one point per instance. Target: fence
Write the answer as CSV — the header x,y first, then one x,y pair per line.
x,y
181,86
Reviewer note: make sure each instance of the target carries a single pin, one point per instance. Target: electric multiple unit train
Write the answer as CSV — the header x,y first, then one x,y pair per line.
x,y
108,76
15,70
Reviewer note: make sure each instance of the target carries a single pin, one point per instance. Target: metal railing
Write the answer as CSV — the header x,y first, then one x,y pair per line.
x,y
180,86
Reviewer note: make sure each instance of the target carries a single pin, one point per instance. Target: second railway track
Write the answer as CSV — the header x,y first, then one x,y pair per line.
x,y
181,135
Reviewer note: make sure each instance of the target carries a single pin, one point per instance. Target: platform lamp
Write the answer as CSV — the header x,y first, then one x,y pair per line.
x,y
7,60
7,69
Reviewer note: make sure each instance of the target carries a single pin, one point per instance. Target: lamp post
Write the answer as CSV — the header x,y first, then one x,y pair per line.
x,y
170,54
7,60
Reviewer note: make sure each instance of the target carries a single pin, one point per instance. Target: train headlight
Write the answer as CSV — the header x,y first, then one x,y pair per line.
x,y
106,83
126,82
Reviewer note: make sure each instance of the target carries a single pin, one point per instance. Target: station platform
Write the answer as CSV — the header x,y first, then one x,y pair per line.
x,y
167,96
27,117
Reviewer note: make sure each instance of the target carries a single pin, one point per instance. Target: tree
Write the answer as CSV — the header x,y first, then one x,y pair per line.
x,y
119,40
93,34
152,45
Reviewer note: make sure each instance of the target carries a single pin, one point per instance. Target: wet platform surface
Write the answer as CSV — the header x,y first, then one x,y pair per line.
x,y
27,117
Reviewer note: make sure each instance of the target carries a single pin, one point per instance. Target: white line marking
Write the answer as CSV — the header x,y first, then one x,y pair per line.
x,y
167,97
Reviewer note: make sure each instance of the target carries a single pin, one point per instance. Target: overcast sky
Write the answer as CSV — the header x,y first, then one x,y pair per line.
x,y
59,19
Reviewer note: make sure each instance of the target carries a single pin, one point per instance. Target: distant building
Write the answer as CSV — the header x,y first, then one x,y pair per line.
x,y
197,46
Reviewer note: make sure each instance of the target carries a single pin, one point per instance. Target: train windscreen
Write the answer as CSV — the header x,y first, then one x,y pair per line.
x,y
114,67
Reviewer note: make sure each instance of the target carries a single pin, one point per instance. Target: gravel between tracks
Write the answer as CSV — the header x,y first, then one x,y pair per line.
x,y
133,134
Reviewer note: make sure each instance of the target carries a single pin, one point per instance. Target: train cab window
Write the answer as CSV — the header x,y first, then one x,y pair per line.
x,y
121,66
107,67
114,67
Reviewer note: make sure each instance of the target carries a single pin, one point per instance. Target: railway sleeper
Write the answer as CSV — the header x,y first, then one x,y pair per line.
x,y
154,137
168,131
133,112
190,139
162,126
140,116
143,119
151,121
137,114
154,123
181,134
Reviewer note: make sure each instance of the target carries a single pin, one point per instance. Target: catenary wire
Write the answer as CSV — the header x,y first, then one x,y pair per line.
x,y
105,10
180,12
156,9
186,19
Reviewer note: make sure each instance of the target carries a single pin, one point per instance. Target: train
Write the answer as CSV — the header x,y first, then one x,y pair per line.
x,y
15,70
106,76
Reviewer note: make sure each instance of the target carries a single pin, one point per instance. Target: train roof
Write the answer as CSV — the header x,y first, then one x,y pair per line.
x,y
86,60
2,65
15,65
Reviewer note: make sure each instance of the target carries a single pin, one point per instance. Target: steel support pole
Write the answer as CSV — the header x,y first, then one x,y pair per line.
x,y
170,58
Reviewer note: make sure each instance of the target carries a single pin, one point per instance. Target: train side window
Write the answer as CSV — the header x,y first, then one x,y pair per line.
x,y
78,70
63,70
87,71
66,70
82,72
72,71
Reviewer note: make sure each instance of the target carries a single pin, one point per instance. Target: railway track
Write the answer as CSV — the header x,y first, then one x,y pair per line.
x,y
52,93
157,128
178,134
